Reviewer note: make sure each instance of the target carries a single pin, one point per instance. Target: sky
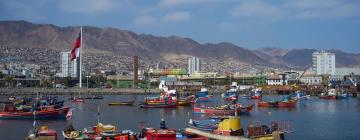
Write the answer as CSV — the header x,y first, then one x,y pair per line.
x,y
316,24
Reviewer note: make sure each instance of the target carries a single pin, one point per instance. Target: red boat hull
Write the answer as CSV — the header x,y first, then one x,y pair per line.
x,y
60,112
158,105
277,104
255,97
328,97
240,110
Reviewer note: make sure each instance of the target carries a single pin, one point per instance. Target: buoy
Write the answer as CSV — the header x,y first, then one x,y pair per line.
x,y
269,113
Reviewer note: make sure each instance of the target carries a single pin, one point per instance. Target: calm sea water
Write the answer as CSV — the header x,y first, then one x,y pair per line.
x,y
312,119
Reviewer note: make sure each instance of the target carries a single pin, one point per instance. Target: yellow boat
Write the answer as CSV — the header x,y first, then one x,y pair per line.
x,y
121,103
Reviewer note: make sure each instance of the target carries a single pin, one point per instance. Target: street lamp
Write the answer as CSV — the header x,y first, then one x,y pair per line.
x,y
87,81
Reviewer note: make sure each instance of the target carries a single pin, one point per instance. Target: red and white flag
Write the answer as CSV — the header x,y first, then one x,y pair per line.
x,y
75,51
69,114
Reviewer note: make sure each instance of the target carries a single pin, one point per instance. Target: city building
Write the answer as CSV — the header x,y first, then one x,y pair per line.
x,y
276,79
311,80
324,63
194,65
69,68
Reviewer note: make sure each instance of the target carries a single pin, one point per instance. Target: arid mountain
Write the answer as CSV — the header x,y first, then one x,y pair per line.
x,y
116,42
23,34
300,58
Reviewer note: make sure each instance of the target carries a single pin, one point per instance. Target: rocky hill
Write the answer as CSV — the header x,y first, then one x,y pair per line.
x,y
116,42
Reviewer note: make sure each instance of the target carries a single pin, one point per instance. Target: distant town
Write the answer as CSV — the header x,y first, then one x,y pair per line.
x,y
54,69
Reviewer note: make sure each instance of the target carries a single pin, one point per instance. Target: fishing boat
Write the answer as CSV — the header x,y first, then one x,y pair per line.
x,y
10,112
42,133
224,110
183,102
298,95
230,128
201,96
145,105
160,134
331,94
94,97
166,96
256,94
289,103
231,94
209,124
98,132
78,99
121,103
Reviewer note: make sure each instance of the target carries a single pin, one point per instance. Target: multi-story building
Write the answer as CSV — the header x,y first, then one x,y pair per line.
x,y
194,65
69,68
324,62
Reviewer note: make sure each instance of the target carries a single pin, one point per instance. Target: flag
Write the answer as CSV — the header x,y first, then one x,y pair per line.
x,y
69,114
75,51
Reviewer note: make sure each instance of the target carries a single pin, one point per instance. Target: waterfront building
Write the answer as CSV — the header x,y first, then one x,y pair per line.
x,y
324,63
276,79
194,65
69,68
311,80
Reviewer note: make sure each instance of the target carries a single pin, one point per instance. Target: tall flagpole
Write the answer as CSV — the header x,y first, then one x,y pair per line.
x,y
81,45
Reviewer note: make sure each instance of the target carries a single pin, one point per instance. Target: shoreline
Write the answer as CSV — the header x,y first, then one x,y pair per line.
x,y
71,91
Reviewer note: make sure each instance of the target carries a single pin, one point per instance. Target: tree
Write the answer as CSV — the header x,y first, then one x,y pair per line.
x,y
8,80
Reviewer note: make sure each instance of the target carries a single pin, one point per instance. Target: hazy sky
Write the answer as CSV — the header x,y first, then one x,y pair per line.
x,y
320,24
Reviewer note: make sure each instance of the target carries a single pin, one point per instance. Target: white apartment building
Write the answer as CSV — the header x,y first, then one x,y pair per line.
x,y
194,65
324,63
69,68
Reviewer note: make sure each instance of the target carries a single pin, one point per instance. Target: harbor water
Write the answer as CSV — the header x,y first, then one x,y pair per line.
x,y
312,119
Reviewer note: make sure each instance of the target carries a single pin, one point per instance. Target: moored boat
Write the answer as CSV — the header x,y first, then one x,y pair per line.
x,y
98,132
145,105
256,94
78,100
224,110
43,112
289,103
298,95
327,97
183,102
231,94
121,103
94,97
230,128
44,133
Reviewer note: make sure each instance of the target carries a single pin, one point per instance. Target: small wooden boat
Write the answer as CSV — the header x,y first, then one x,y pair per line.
x,y
224,110
121,103
44,112
44,133
78,100
290,103
145,105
